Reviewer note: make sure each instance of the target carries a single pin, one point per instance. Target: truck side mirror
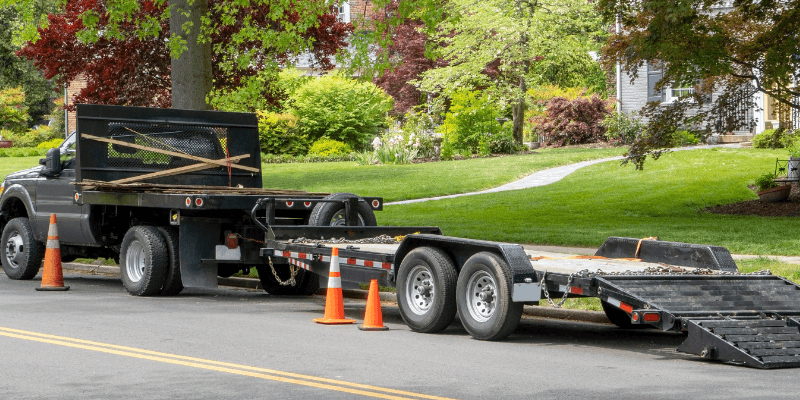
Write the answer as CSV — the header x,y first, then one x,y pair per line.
x,y
52,162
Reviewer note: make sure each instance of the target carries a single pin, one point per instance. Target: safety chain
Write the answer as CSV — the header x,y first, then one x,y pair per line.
x,y
292,270
566,291
250,240
382,239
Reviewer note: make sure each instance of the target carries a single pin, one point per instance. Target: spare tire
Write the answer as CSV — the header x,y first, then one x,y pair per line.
x,y
333,214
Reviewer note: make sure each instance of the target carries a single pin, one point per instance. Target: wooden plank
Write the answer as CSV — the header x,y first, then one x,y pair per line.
x,y
169,153
176,171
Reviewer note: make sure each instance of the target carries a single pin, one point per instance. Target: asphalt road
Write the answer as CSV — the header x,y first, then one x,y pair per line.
x,y
97,342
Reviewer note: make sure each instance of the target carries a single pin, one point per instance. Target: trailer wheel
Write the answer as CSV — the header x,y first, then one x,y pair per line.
x,y
144,260
332,214
426,285
306,283
484,297
21,254
172,281
620,318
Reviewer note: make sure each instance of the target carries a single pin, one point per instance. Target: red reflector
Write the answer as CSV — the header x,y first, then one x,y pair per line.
x,y
289,204
635,317
198,202
625,307
188,202
232,241
307,204
652,317
576,290
375,203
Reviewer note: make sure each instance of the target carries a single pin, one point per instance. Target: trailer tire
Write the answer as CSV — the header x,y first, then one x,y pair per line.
x,y
620,318
332,214
172,281
21,254
483,295
426,284
306,282
144,260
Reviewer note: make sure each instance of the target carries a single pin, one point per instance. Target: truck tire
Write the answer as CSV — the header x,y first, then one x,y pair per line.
x,y
484,297
426,284
332,214
21,254
144,260
620,318
306,283
172,280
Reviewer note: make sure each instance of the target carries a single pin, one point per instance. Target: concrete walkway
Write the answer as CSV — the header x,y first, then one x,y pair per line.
x,y
545,177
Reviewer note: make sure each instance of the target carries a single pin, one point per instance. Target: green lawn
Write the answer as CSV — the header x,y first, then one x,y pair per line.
x,y
399,182
13,164
664,200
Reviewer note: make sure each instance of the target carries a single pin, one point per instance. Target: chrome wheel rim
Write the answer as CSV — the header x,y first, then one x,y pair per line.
x,y
339,219
420,290
481,296
135,261
15,249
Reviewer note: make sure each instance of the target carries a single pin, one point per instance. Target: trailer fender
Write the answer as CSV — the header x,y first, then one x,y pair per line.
x,y
526,287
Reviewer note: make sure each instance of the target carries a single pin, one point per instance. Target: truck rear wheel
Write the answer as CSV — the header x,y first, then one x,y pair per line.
x,y
172,281
333,214
426,284
144,260
484,297
306,282
21,254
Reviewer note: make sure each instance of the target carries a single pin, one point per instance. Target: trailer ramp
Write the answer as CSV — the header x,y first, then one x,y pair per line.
x,y
747,319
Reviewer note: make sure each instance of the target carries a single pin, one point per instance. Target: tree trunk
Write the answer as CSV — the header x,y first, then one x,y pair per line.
x,y
191,71
518,112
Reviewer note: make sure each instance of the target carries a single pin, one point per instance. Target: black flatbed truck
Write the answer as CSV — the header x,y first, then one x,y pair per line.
x,y
184,230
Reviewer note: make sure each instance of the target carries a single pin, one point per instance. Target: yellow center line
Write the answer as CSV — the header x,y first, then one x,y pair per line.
x,y
219,366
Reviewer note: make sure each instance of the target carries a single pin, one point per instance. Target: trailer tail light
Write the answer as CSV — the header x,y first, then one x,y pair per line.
x,y
376,203
232,241
290,204
198,202
626,307
652,317
576,290
307,204
188,202
635,317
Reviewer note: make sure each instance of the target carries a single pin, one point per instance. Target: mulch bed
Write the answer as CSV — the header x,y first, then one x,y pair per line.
x,y
789,208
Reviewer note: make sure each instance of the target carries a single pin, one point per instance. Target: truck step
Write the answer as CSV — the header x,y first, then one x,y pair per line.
x,y
758,342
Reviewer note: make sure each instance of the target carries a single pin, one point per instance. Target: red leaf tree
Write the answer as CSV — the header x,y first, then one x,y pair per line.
x,y
135,70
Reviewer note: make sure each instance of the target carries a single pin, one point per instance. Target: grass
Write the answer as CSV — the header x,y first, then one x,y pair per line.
x,y
400,182
665,200
13,164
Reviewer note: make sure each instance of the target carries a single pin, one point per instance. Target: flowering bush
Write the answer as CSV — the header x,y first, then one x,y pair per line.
x,y
13,114
395,149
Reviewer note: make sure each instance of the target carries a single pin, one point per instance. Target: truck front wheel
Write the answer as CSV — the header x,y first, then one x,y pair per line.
x,y
21,254
144,260
484,297
426,286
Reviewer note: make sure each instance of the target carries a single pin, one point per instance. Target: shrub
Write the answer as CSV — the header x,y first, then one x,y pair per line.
x,y
22,152
422,126
469,123
622,128
33,137
325,147
503,143
774,139
766,181
341,109
278,134
574,122
50,144
13,114
289,159
396,149
684,138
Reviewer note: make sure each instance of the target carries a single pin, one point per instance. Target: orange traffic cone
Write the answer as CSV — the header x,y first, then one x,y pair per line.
x,y
334,304
52,278
373,320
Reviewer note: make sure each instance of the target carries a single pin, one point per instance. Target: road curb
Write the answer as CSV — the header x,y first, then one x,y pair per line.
x,y
250,283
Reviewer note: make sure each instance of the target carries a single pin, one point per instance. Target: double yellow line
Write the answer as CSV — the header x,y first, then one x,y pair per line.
x,y
219,366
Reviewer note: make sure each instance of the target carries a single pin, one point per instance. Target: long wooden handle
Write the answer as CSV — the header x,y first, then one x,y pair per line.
x,y
171,153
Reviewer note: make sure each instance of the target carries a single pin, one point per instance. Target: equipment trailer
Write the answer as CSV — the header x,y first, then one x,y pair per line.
x,y
199,219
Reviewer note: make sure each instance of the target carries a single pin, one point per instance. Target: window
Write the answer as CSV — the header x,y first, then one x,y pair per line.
x,y
343,12
676,91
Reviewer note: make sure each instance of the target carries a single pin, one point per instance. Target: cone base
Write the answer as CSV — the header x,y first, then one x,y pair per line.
x,y
374,328
332,321
52,289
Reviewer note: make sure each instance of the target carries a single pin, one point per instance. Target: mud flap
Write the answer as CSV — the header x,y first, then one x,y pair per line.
x,y
198,241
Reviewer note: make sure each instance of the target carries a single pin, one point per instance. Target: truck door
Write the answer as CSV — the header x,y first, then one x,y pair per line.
x,y
55,195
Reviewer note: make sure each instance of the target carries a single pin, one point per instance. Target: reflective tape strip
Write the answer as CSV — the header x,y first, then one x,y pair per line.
x,y
290,254
614,302
334,283
52,244
300,264
53,230
359,262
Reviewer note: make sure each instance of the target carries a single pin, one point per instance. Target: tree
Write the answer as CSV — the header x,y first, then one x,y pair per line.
x,y
494,46
727,54
136,69
19,72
